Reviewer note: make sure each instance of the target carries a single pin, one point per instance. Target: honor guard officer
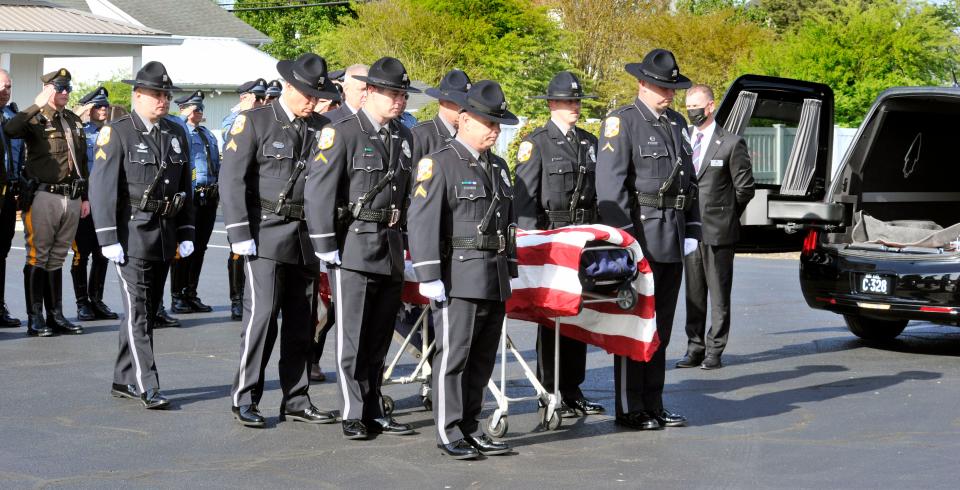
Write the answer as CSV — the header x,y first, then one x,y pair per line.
x,y
12,162
645,185
354,91
430,136
90,305
356,192
556,166
252,95
54,200
205,161
463,244
143,212
263,177
274,89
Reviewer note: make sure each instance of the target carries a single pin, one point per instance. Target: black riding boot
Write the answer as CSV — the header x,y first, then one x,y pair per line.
x,y
53,300
236,279
78,273
98,277
34,279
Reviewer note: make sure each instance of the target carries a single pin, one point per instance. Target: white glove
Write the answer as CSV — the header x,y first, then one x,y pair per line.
x,y
329,258
113,252
185,248
689,245
246,247
433,290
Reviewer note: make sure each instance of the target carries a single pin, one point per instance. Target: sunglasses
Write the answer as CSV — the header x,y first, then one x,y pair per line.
x,y
63,87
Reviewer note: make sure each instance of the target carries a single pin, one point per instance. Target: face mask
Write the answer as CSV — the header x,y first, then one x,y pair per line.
x,y
697,116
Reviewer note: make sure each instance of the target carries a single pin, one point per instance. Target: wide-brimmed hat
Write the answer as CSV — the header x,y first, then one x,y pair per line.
x,y
659,67
98,97
308,74
564,86
485,99
388,73
454,81
153,76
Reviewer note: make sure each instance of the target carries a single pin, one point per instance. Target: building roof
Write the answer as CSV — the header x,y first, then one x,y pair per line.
x,y
38,16
183,18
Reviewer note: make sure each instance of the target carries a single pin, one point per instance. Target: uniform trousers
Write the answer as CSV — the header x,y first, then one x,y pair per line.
x,y
274,288
186,270
85,245
573,363
709,269
366,308
639,385
468,335
8,226
141,290
50,226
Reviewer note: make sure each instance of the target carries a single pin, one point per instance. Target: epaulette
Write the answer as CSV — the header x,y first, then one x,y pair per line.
x,y
538,130
623,109
344,119
423,123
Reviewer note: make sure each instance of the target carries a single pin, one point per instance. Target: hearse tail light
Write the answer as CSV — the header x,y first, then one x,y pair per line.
x,y
810,242
939,309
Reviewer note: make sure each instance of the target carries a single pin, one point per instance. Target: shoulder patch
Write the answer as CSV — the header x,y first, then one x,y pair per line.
x,y
424,169
238,124
611,127
526,149
104,137
325,138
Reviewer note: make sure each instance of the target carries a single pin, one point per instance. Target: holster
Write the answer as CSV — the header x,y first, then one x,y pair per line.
x,y
28,191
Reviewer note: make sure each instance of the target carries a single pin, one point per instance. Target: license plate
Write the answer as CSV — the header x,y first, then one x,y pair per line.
x,y
874,284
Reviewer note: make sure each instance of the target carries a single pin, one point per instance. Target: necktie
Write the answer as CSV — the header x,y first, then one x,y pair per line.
x,y
667,130
7,150
68,136
384,135
696,151
571,137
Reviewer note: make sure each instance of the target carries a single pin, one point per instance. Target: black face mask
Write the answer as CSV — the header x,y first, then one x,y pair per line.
x,y
697,116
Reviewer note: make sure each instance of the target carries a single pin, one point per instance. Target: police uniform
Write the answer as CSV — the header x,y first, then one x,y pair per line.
x,y
89,295
263,178
205,164
461,225
142,200
646,186
12,161
430,136
556,167
361,172
56,171
235,275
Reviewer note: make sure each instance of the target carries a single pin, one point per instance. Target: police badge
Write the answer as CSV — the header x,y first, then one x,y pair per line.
x,y
406,148
175,144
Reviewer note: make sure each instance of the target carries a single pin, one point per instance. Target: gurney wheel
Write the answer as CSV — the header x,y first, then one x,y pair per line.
x,y
553,423
498,430
387,405
626,297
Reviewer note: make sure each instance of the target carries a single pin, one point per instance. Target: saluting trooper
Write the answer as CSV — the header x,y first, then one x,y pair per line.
x,y
462,240
556,173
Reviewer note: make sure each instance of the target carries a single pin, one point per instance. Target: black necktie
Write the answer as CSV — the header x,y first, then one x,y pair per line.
x,y
667,128
384,135
571,137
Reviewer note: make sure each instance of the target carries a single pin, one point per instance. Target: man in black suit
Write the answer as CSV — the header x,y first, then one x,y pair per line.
x,y
725,179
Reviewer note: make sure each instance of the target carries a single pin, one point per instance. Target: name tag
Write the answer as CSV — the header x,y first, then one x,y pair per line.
x,y
716,163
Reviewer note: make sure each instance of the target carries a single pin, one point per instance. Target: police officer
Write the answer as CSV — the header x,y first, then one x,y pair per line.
x,y
360,171
263,177
430,136
645,185
354,91
143,212
252,95
90,305
12,162
274,89
556,166
205,161
461,229
56,171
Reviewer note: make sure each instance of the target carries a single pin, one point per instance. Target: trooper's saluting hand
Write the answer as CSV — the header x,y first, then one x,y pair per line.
x,y
461,223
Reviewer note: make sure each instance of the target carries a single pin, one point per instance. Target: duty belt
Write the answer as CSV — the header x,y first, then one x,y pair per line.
x,y
389,217
497,243
168,207
577,216
62,189
287,209
663,201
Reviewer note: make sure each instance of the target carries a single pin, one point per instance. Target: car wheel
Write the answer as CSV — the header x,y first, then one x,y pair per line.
x,y
873,329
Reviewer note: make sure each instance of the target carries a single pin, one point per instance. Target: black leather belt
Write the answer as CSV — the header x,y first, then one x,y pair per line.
x,y
389,217
287,210
163,208
661,201
497,243
578,216
62,189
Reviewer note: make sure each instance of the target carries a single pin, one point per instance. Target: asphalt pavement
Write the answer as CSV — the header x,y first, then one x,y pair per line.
x,y
800,403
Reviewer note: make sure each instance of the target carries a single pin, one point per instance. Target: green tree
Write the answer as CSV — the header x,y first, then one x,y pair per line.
x,y
860,52
291,29
509,41
120,93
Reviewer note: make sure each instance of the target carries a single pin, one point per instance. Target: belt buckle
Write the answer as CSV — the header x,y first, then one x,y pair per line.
x,y
502,245
681,202
394,217
165,207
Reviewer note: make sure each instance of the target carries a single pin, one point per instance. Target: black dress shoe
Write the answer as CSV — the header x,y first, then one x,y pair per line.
x,y
387,425
85,311
690,361
670,419
354,429
64,326
198,305
7,321
236,311
181,305
584,406
153,400
487,446
639,420
311,415
460,450
711,362
248,415
164,320
102,311
125,391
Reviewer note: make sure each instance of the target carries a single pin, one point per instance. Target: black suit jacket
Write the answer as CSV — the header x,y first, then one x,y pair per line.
x,y
726,186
